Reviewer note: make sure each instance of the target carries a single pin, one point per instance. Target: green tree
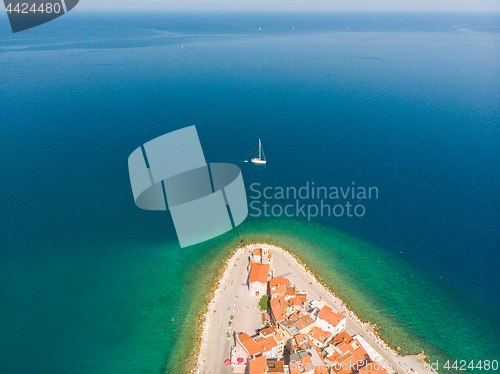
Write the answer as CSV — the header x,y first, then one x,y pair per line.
x,y
264,302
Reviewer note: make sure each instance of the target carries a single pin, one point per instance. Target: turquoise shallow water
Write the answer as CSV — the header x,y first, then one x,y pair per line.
x,y
412,308
407,103
414,311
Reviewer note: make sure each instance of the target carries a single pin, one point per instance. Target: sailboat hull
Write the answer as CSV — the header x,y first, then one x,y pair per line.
x,y
258,161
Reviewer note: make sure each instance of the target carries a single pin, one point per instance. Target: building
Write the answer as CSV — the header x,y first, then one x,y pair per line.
x,y
278,336
262,256
320,338
302,345
278,286
374,355
323,369
261,365
303,321
282,287
301,363
329,320
257,278
299,300
279,309
313,333
257,365
246,348
269,342
275,366
346,355
301,342
285,299
288,328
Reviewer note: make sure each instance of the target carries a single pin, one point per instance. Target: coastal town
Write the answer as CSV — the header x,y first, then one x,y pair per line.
x,y
270,315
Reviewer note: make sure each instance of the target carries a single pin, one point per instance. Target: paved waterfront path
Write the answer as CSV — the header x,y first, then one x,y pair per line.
x,y
234,300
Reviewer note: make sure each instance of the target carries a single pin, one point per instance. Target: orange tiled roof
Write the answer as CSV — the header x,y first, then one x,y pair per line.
x,y
276,366
278,306
343,336
343,347
321,369
340,370
333,357
258,273
249,344
265,344
257,365
267,331
319,334
258,344
358,351
352,354
347,357
279,290
300,347
303,322
326,313
300,339
277,334
295,301
277,281
302,297
272,331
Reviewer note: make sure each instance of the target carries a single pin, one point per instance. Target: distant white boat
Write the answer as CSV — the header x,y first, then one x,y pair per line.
x,y
262,157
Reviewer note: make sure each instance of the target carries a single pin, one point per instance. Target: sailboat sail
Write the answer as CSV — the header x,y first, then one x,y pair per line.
x,y
262,157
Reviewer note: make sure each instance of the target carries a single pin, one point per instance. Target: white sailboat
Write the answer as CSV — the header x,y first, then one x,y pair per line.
x,y
262,157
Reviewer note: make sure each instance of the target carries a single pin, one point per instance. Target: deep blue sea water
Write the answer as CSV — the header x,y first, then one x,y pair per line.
x,y
409,103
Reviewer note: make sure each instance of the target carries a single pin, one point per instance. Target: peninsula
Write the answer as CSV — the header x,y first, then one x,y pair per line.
x,y
269,314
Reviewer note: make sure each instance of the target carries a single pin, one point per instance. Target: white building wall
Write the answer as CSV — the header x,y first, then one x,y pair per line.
x,y
254,287
341,326
273,353
335,330
322,324
374,355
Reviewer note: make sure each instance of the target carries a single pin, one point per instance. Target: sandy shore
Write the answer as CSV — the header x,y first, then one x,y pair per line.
x,y
209,313
224,281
